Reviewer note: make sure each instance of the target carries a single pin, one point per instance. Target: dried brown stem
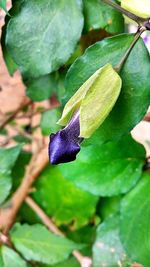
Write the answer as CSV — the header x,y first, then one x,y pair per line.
x,y
84,261
13,115
8,214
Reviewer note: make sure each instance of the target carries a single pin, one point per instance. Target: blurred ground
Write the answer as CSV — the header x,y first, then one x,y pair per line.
x,y
12,94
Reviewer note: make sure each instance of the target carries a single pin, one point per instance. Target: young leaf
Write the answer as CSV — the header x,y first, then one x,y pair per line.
x,y
135,93
62,200
135,222
36,243
140,8
11,258
42,35
108,250
107,170
98,15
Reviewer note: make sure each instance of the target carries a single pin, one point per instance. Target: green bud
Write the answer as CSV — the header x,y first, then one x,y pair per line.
x,y
94,100
140,8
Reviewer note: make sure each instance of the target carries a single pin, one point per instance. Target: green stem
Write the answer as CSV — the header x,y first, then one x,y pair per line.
x,y
136,38
130,15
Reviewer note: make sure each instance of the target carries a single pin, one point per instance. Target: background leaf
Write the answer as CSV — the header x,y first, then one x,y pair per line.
x,y
108,250
99,15
135,94
11,258
49,120
38,244
3,4
46,50
135,222
40,88
106,170
8,158
62,200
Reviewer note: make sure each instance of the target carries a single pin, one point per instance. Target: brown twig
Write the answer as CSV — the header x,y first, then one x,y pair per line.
x,y
8,214
147,117
27,115
84,261
13,115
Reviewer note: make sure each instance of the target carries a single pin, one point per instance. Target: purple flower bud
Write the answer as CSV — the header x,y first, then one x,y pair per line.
x,y
65,144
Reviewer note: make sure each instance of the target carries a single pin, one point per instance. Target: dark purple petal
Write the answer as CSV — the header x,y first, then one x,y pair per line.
x,y
65,144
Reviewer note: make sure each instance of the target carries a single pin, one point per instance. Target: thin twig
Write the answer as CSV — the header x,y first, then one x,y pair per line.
x,y
124,58
147,117
13,115
84,261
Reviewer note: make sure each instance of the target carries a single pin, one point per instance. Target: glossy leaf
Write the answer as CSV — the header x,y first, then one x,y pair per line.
x,y
99,15
108,250
140,8
11,258
49,34
48,121
106,170
36,243
135,94
62,200
99,100
135,222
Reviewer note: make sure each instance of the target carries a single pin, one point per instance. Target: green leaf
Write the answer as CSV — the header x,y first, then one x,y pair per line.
x,y
38,244
62,200
8,157
72,262
109,206
135,222
49,120
135,94
22,139
5,185
49,34
109,169
3,4
11,258
140,8
99,15
18,169
40,88
11,65
108,250
101,98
